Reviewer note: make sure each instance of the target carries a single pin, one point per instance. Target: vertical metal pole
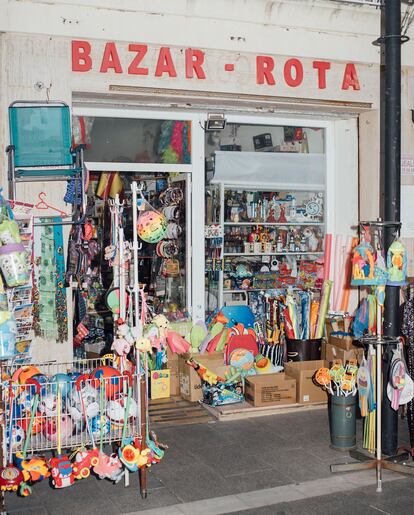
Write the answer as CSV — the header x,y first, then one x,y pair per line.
x,y
391,193
143,479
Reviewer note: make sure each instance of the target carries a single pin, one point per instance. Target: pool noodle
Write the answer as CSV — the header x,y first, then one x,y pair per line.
x,y
327,256
323,307
347,287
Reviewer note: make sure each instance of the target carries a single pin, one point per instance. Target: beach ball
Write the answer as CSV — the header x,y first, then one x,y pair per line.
x,y
151,226
17,435
42,380
242,358
37,424
48,405
50,429
22,374
116,410
112,379
97,422
90,397
62,380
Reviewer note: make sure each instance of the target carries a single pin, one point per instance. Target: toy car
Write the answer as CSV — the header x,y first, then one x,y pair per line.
x,y
62,473
84,461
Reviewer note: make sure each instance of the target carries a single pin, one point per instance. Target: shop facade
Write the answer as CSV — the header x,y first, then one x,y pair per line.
x,y
129,85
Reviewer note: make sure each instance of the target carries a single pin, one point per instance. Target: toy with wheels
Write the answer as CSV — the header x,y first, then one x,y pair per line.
x,y
84,461
60,466
109,467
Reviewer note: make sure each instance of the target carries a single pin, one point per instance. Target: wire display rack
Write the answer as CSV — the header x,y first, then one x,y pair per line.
x,y
80,424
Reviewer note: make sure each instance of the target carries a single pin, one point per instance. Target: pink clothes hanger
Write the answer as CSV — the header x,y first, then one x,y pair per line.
x,y
42,204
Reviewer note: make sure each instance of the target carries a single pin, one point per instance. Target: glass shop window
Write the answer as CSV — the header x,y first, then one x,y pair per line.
x,y
265,211
130,140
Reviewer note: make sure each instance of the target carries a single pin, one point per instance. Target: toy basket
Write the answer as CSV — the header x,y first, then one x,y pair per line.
x,y
77,422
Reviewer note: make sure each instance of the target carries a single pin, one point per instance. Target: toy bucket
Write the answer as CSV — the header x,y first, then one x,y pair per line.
x,y
342,422
303,350
13,265
8,332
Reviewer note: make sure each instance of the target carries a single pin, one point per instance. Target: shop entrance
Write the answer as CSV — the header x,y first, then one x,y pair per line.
x,y
156,154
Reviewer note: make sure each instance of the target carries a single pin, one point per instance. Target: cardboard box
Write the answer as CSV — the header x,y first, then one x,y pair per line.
x,y
307,391
175,385
172,361
332,352
190,382
270,390
160,384
346,343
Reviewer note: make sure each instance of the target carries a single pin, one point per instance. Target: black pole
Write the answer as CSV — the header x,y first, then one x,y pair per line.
x,y
391,195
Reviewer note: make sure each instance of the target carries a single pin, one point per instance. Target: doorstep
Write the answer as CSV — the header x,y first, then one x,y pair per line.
x,y
245,410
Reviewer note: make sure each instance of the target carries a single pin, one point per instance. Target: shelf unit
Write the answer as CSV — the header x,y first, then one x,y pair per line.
x,y
302,175
269,224
253,254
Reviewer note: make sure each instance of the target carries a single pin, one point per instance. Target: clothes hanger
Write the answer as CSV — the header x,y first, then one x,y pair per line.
x,y
42,204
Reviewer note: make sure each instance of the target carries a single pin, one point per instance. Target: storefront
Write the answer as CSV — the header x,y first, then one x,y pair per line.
x,y
251,161
124,94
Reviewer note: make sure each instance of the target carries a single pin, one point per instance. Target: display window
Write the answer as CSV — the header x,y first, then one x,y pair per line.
x,y
265,211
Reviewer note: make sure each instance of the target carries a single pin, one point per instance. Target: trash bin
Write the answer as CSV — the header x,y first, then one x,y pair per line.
x,y
303,350
342,422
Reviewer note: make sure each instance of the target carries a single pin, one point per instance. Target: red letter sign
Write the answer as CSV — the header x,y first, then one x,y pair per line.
x,y
287,72
165,63
321,66
110,59
264,68
134,68
194,60
81,59
350,78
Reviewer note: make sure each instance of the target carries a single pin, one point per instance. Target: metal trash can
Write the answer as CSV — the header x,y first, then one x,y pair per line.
x,y
342,422
303,350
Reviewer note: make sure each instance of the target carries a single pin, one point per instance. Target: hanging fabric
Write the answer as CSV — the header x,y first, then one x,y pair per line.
x,y
408,332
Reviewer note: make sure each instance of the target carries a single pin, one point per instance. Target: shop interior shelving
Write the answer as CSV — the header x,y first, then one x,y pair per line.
x,y
302,175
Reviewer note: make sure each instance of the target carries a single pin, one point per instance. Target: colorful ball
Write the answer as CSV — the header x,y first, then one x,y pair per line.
x,y
96,425
48,405
42,380
50,429
151,226
242,358
112,379
17,436
22,374
62,380
90,397
115,409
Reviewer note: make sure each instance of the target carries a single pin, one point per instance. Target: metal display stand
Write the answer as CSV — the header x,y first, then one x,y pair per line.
x,y
394,463
378,462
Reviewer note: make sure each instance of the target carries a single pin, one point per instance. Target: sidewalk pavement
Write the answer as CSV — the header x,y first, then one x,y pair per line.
x,y
275,464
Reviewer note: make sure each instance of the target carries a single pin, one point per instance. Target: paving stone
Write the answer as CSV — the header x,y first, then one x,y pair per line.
x,y
232,459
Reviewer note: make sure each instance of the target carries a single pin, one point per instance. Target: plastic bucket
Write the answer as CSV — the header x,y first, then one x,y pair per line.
x,y
342,422
8,332
303,350
13,265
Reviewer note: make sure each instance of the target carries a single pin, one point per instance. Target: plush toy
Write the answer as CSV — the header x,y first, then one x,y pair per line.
x,y
175,341
143,344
